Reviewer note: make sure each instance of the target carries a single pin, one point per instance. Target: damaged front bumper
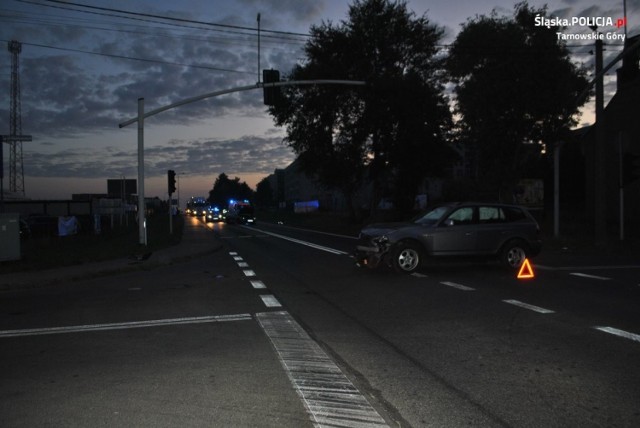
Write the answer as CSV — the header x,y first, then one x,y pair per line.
x,y
371,255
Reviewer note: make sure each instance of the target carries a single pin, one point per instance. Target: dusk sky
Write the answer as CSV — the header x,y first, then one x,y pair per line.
x,y
83,69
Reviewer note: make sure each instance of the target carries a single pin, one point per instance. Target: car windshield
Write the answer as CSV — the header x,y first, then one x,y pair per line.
x,y
431,217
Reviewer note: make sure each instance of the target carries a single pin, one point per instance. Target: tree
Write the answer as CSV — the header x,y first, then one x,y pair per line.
x,y
392,131
516,91
225,189
264,193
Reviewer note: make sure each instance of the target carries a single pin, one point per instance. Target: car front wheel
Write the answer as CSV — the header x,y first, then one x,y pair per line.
x,y
513,254
406,257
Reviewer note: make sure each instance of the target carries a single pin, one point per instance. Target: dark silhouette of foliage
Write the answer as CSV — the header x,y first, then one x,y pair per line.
x,y
225,189
392,131
516,90
264,194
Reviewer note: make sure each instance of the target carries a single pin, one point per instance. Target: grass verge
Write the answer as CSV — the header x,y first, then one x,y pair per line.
x,y
56,251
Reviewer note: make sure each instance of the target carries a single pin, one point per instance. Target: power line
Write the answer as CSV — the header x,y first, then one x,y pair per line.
x,y
148,15
18,18
206,67
208,28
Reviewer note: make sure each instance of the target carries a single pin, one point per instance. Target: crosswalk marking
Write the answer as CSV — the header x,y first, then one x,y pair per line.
x,y
329,396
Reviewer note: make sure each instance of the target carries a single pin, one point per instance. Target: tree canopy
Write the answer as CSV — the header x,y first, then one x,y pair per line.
x,y
516,89
264,193
225,189
391,131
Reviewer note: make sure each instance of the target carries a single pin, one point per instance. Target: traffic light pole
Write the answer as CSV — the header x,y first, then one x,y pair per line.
x,y
599,151
244,88
142,225
171,188
170,215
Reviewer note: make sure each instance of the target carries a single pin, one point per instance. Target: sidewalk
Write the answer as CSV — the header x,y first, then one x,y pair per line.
x,y
193,244
615,253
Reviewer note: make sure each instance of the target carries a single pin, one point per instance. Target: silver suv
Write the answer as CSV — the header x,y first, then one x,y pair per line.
x,y
506,232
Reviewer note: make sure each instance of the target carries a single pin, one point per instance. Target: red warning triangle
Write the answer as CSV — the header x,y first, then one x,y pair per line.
x,y
526,271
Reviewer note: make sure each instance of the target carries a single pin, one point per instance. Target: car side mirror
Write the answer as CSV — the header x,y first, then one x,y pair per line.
x,y
449,222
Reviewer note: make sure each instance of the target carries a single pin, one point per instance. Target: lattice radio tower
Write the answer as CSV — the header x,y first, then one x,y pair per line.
x,y
15,137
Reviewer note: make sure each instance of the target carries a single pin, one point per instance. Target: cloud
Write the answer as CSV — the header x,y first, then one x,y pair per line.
x,y
74,94
303,10
248,154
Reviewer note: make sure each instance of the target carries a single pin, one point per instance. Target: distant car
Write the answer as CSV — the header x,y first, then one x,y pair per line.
x,y
214,214
240,212
197,209
506,232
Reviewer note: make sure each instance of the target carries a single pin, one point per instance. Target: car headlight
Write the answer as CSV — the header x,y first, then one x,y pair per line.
x,y
381,240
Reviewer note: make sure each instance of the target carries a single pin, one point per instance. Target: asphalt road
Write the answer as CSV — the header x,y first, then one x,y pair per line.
x,y
279,328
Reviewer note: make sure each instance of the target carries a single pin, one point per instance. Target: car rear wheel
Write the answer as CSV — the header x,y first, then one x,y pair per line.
x,y
407,257
514,253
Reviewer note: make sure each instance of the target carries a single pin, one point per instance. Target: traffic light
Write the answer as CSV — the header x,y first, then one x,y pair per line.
x,y
271,94
171,178
630,168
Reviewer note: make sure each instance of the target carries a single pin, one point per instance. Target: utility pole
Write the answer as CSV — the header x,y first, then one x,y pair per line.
x,y
258,19
599,155
15,137
142,221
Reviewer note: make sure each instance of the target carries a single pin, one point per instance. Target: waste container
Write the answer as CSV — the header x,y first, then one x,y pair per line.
x,y
9,236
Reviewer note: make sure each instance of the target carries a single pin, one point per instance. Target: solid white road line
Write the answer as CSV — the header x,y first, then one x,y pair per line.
x,y
298,241
528,306
584,275
320,232
328,395
620,333
458,286
123,325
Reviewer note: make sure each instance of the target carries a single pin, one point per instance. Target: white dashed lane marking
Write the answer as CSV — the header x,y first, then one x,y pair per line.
x,y
620,333
528,306
270,301
258,284
458,286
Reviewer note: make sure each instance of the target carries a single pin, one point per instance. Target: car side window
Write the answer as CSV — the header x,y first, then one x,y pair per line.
x,y
487,215
462,216
514,214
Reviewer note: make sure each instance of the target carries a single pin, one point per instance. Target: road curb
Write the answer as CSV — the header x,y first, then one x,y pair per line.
x,y
56,276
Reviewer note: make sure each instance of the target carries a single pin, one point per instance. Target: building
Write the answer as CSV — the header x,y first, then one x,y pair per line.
x,y
292,186
622,139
